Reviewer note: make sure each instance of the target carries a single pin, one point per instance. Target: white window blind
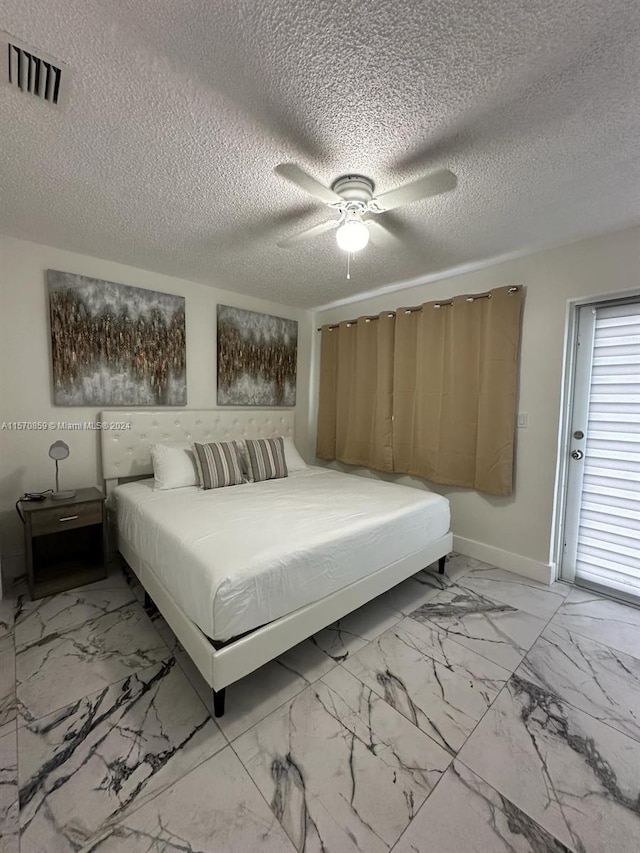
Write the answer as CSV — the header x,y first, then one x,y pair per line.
x,y
609,533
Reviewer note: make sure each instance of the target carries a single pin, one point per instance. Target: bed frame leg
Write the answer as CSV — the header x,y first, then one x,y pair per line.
x,y
218,702
441,563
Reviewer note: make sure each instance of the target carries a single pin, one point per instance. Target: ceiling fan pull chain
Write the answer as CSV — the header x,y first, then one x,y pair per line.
x,y
348,267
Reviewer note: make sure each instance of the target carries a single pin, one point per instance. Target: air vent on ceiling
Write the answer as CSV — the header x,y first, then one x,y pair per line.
x,y
33,72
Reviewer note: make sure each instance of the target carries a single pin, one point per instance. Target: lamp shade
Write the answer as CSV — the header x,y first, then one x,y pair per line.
x,y
59,450
352,235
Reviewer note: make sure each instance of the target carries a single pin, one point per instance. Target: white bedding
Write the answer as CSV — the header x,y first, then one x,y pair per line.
x,y
238,557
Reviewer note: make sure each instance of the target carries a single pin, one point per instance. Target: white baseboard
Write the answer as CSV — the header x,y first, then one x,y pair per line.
x,y
516,563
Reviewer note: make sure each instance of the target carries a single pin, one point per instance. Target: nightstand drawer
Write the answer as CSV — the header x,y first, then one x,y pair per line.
x,y
66,518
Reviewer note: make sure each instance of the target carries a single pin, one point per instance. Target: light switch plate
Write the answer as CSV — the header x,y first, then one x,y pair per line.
x,y
523,420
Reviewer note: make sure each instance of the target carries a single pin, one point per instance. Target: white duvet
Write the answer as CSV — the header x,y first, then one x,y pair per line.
x,y
239,557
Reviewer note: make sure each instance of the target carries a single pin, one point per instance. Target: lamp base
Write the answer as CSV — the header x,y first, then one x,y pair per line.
x,y
63,496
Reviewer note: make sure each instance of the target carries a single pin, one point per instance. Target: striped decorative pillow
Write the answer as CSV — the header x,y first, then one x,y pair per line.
x,y
218,464
266,458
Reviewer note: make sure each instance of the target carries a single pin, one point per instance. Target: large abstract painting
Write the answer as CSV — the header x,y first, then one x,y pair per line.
x,y
115,345
257,356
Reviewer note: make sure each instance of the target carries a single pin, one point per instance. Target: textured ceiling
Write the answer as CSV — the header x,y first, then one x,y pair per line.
x,y
163,157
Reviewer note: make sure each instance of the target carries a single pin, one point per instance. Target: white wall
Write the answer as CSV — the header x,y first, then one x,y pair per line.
x,y
521,525
25,379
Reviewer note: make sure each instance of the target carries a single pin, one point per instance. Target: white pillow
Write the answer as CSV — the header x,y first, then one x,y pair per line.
x,y
174,466
294,461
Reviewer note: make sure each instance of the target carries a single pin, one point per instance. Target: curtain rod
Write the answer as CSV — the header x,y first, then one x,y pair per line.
x,y
416,308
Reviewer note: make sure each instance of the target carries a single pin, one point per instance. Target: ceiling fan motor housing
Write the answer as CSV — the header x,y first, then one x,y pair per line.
x,y
354,188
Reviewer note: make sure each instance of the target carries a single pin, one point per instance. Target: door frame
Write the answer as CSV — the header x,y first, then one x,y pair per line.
x,y
569,360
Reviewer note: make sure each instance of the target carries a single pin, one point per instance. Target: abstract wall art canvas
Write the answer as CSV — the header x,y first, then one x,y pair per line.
x,y
115,345
257,357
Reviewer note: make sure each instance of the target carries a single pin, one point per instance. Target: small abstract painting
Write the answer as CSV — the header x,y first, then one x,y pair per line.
x,y
115,345
257,357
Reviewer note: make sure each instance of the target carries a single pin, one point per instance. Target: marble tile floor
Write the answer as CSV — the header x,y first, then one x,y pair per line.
x,y
475,712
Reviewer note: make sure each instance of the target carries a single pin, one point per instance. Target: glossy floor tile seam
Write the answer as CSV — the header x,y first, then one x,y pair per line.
x,y
507,689
608,599
507,584
110,825
36,624
489,706
111,753
22,720
521,807
575,777
243,820
382,697
73,626
295,695
453,638
511,670
550,625
107,829
426,804
441,687
134,608
478,771
575,707
261,794
593,616
564,699
466,814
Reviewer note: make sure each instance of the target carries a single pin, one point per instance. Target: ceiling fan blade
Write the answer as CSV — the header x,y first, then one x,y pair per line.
x,y
305,182
382,237
438,182
309,233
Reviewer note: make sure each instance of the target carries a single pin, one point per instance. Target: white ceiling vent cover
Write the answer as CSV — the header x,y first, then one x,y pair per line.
x,y
33,72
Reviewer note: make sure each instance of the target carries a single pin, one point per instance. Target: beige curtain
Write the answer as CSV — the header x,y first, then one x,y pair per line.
x,y
356,393
455,375
326,437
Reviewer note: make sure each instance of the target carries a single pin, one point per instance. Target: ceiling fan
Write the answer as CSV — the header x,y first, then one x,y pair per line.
x,y
351,197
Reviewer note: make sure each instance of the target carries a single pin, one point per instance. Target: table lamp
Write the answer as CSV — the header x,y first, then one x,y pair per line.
x,y
59,450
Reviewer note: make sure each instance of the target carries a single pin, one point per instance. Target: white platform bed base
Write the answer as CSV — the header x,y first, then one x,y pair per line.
x,y
125,454
222,667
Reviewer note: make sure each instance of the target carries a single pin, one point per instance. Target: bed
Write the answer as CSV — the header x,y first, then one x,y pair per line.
x,y
262,565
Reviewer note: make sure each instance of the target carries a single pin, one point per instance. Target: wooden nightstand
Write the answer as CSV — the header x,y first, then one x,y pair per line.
x,y
64,542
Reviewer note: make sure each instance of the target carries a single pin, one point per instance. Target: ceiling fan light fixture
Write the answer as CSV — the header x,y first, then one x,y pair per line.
x,y
352,235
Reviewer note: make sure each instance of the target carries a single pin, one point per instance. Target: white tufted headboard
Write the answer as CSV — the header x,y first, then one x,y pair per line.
x,y
125,447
